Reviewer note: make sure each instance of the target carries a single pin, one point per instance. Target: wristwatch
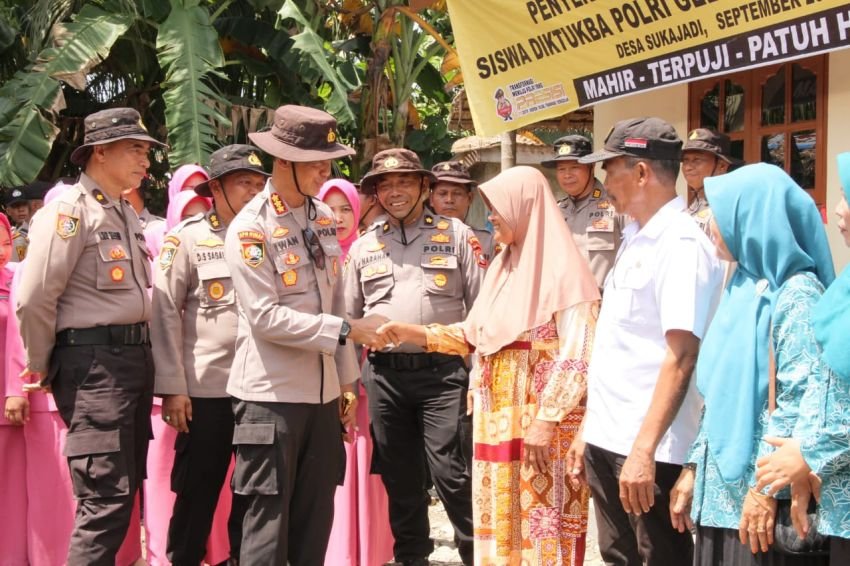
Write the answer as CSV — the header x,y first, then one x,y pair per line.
x,y
344,331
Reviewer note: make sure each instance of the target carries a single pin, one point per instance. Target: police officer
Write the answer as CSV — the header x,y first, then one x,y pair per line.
x,y
705,154
294,351
18,209
451,196
84,309
20,243
595,225
194,338
420,268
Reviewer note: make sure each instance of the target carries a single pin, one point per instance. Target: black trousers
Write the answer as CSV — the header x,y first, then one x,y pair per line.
x,y
200,469
104,394
289,461
625,539
415,413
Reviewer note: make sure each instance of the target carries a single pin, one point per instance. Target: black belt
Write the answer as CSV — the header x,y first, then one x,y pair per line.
x,y
112,335
411,362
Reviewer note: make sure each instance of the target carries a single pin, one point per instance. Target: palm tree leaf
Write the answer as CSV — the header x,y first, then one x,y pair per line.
x,y
315,64
189,52
32,96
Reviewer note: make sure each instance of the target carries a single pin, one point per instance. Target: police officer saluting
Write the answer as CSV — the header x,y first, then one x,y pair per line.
x,y
705,154
294,351
194,340
595,225
419,268
451,196
84,310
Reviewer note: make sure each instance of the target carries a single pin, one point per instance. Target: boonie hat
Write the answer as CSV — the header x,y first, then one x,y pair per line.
x,y
16,195
453,172
301,134
648,138
569,148
704,139
396,160
228,159
108,126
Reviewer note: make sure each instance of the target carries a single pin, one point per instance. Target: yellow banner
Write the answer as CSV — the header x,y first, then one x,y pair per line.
x,y
526,61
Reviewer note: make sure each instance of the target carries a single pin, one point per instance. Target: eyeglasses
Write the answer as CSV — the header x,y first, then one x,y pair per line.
x,y
314,247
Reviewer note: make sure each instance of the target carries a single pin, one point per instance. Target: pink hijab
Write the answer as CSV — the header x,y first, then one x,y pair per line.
x,y
349,191
180,176
178,204
539,274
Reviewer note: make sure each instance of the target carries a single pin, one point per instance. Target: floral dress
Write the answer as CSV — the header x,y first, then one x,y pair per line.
x,y
520,516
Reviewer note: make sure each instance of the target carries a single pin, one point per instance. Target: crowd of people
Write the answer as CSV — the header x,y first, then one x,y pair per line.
x,y
279,370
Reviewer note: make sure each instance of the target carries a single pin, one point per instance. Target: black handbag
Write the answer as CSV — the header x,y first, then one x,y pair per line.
x,y
785,537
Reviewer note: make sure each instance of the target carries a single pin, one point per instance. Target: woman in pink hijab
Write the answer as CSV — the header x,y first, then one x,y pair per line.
x,y
532,327
184,180
34,479
361,532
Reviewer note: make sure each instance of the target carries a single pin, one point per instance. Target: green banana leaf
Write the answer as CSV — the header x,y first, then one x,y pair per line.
x,y
190,54
315,64
33,96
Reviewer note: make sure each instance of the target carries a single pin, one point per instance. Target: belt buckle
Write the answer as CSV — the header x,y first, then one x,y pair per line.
x,y
130,334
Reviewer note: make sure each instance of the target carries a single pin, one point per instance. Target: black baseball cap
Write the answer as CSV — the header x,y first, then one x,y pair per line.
x,y
569,148
15,196
647,138
229,159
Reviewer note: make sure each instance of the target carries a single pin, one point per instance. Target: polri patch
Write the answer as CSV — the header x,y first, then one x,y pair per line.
x,y
167,255
253,253
67,226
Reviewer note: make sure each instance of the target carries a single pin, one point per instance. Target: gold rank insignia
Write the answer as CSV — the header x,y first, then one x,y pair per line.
x,y
99,196
253,253
67,226
277,204
390,163
210,243
117,274
214,221
376,247
369,271
603,204
290,277
291,258
443,225
166,255
440,238
331,136
381,269
280,232
440,280
565,149
117,252
324,221
438,260
597,193
429,220
386,227
215,290
254,160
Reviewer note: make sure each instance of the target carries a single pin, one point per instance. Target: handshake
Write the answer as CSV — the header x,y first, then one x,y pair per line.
x,y
377,332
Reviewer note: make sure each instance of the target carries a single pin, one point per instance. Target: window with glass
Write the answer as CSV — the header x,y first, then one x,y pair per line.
x,y
775,114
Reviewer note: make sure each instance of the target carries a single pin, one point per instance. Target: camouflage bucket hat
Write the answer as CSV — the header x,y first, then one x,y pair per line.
x,y
396,160
108,126
301,134
229,159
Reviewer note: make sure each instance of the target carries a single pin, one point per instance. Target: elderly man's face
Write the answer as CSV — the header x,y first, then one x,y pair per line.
x,y
621,181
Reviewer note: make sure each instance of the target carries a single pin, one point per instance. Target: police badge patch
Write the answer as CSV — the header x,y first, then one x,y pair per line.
x,y
166,256
67,226
253,253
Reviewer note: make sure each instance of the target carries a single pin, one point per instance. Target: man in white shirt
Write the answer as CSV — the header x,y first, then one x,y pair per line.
x,y
643,408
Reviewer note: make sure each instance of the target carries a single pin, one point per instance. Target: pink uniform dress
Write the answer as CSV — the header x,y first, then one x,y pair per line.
x,y
34,478
361,534
159,499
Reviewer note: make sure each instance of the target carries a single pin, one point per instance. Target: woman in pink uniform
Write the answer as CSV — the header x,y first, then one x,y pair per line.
x,y
361,530
185,178
34,480
159,499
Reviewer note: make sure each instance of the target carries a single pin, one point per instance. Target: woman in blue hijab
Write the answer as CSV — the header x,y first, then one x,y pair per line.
x,y
766,223
817,458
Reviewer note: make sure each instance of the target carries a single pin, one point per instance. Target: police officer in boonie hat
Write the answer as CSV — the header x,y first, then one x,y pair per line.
x,y
421,268
587,210
194,341
294,384
706,153
92,290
